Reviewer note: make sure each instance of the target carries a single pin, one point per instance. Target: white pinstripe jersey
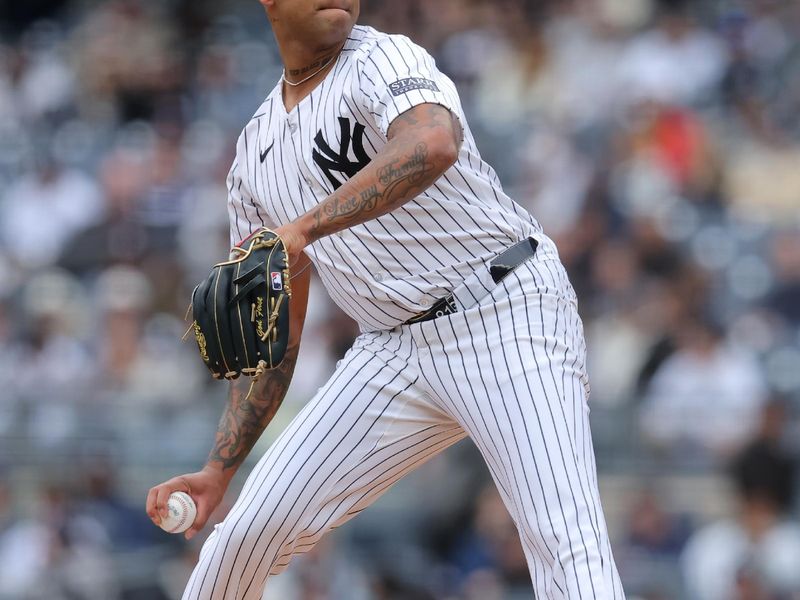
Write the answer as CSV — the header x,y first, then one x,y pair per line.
x,y
384,271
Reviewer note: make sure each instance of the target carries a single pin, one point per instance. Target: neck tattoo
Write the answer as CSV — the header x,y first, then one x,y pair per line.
x,y
321,66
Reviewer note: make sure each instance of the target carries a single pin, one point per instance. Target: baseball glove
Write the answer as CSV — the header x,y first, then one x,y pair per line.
x,y
241,311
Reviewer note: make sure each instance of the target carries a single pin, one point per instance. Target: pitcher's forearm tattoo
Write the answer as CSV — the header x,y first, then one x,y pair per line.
x,y
245,418
397,180
405,168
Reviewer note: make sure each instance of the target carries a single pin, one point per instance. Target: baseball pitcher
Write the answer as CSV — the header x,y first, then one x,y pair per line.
x,y
360,162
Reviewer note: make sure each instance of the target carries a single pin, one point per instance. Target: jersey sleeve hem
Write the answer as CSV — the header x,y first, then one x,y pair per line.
x,y
438,102
396,75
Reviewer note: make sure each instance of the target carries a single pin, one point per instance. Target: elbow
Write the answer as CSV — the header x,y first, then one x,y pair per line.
x,y
443,148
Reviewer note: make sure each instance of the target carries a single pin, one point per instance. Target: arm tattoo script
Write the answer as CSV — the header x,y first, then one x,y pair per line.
x,y
245,419
397,180
422,144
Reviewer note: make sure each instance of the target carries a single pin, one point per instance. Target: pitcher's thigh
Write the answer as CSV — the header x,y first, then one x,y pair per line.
x,y
542,383
362,432
512,373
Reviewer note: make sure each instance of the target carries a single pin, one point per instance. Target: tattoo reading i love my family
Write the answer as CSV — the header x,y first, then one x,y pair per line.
x,y
396,179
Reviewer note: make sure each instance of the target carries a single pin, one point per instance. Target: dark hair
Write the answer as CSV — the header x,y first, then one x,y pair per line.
x,y
673,7
765,471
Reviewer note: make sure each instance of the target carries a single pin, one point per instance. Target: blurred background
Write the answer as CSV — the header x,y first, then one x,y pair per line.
x,y
657,142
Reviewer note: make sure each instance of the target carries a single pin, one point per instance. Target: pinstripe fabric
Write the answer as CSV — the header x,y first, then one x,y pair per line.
x,y
530,332
388,269
508,372
368,426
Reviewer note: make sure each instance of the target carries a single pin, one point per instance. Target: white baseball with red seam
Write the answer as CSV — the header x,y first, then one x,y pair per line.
x,y
181,513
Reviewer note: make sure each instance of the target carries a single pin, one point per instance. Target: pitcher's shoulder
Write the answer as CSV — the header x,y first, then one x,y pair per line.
x,y
366,40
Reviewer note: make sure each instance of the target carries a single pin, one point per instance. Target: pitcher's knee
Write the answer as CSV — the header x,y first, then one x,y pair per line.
x,y
246,537
263,537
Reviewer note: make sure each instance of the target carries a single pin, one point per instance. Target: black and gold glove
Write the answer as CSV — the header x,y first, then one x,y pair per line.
x,y
241,311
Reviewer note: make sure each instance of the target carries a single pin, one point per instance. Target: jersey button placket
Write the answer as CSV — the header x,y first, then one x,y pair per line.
x,y
292,121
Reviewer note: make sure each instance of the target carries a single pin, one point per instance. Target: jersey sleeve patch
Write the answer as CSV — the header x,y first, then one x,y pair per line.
x,y
404,86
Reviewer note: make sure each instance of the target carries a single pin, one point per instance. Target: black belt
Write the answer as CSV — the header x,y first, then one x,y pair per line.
x,y
500,266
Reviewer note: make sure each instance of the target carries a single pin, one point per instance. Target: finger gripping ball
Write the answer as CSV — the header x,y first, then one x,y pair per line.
x,y
181,513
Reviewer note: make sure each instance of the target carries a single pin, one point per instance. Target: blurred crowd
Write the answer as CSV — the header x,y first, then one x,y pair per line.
x,y
657,141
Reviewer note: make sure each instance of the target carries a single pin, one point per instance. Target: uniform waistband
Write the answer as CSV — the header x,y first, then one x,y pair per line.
x,y
478,285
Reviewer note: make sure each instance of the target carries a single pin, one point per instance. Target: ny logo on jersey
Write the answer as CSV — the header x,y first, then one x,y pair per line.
x,y
330,161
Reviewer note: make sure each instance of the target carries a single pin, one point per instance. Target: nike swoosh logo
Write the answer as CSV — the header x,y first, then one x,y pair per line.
x,y
266,152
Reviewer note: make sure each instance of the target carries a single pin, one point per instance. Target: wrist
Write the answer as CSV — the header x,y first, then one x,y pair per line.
x,y
220,472
306,229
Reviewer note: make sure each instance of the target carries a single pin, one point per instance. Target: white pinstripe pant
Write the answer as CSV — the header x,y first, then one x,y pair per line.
x,y
509,372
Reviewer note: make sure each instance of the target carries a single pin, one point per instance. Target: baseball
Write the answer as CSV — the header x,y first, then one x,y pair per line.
x,y
182,511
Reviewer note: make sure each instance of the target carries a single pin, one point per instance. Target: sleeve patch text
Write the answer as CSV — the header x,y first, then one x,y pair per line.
x,y
403,86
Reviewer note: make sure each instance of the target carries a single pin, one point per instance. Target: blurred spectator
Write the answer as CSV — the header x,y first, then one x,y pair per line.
x,y
120,236
19,15
675,139
124,295
676,62
754,555
103,502
56,554
785,297
624,333
203,236
762,179
127,57
556,180
46,86
489,554
163,204
703,401
652,529
135,360
42,210
51,364
655,535
515,80
22,548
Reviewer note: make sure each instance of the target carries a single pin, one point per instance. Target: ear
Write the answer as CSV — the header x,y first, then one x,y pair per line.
x,y
268,6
